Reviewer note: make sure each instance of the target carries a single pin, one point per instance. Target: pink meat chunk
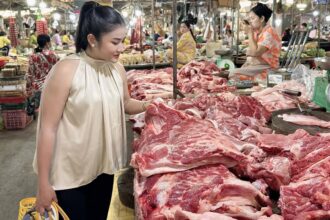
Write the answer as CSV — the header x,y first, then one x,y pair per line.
x,y
308,196
206,189
305,120
180,143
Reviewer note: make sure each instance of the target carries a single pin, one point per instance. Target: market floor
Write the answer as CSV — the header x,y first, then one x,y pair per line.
x,y
17,179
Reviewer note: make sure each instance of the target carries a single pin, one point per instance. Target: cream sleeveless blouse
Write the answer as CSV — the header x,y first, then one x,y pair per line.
x,y
91,136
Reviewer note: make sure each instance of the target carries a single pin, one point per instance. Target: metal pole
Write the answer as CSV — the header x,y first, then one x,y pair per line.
x,y
175,60
292,20
319,30
141,46
232,24
238,27
274,14
153,34
214,26
20,24
65,20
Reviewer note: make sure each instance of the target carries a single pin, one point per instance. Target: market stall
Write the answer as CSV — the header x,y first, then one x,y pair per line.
x,y
209,145
192,155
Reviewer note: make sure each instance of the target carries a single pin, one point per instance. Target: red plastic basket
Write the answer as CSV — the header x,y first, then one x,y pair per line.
x,y
12,99
16,119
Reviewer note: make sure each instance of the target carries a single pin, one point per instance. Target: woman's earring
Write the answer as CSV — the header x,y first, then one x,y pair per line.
x,y
93,45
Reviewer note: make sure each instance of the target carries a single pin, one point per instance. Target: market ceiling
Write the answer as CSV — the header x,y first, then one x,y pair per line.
x,y
119,4
22,4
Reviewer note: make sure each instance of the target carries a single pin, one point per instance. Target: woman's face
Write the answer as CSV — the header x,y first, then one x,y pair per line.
x,y
111,44
184,28
255,21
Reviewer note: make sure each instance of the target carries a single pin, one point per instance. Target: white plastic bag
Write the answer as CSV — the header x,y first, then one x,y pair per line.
x,y
306,76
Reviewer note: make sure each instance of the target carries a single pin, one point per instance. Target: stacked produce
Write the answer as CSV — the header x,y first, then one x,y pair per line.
x,y
135,58
132,59
310,50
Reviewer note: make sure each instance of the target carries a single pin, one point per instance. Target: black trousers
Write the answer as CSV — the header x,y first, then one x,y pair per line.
x,y
89,202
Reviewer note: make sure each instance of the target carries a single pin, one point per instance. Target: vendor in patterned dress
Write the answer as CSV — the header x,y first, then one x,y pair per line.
x,y
264,46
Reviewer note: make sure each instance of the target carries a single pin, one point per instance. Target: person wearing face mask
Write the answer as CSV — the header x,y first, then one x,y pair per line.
x,y
264,46
81,133
186,47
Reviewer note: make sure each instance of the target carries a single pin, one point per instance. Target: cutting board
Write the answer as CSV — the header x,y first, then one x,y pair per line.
x,y
284,127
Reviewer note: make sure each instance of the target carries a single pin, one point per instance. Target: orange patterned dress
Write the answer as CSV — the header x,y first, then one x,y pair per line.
x,y
272,41
268,38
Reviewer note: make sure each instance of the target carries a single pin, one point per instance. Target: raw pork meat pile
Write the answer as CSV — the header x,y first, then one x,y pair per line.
x,y
193,78
307,196
175,144
274,99
150,84
199,77
213,189
164,147
214,157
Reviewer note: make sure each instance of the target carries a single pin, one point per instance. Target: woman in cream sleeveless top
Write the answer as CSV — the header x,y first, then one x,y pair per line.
x,y
93,116
81,134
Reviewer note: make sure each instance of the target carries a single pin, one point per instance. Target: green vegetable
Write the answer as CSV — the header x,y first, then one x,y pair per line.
x,y
313,52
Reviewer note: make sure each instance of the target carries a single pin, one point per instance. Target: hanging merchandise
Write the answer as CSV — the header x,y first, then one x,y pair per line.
x,y
136,34
208,31
12,32
41,25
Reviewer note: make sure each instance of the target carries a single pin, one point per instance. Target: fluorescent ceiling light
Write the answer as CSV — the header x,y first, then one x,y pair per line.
x,y
56,16
31,2
245,4
301,6
42,5
327,18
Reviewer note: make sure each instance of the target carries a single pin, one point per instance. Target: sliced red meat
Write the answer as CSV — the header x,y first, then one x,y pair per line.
x,y
173,142
308,196
211,188
274,170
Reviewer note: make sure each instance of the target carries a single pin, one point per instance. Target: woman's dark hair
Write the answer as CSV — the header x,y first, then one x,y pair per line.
x,y
2,33
262,10
190,20
42,40
96,19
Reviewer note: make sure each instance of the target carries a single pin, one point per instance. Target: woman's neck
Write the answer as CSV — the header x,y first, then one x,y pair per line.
x,y
261,28
91,54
